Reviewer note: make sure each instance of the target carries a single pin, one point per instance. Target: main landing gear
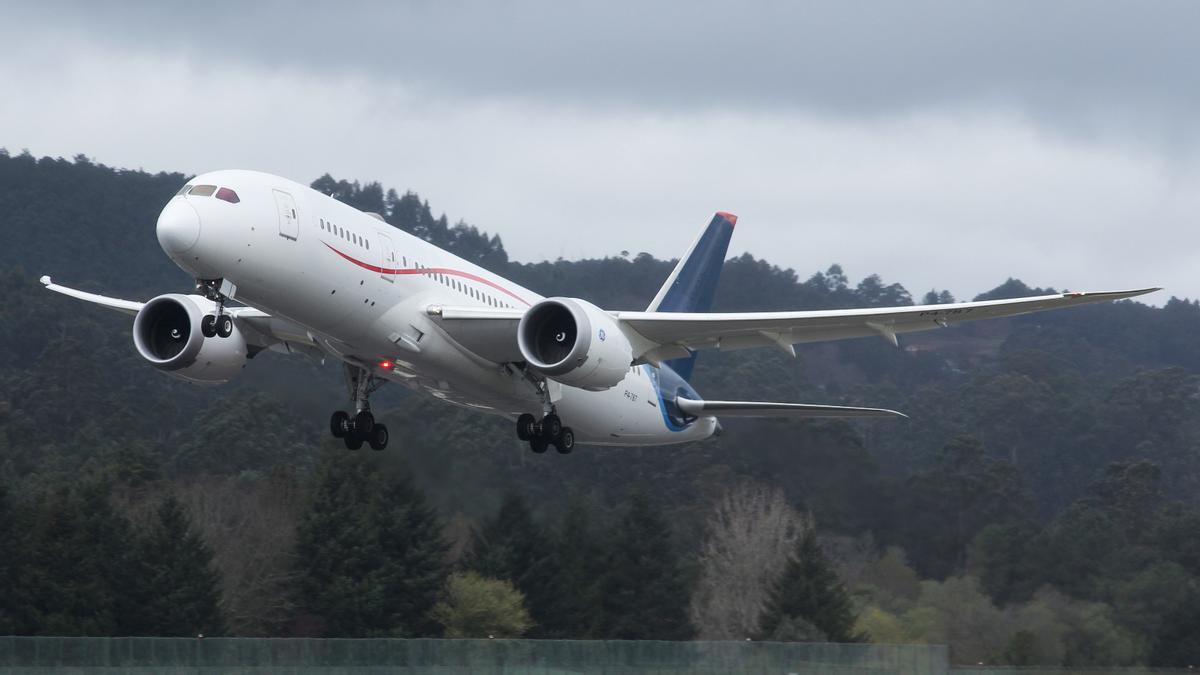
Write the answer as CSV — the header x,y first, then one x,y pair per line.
x,y
361,427
541,435
219,324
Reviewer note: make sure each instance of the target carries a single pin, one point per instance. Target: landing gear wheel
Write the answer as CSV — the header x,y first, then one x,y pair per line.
x,y
525,428
339,424
551,426
224,325
208,325
379,437
538,445
364,421
353,441
565,442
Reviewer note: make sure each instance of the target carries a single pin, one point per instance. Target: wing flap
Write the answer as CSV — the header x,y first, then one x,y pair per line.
x,y
489,332
769,409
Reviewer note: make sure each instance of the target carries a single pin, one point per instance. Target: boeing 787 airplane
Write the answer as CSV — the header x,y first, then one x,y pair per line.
x,y
312,275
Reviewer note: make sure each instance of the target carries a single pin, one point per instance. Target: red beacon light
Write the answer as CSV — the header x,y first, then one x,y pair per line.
x,y
385,364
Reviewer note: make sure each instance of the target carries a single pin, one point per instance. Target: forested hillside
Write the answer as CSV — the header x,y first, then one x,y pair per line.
x,y
1039,506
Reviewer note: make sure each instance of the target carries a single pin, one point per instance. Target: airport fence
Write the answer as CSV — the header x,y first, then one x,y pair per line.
x,y
271,656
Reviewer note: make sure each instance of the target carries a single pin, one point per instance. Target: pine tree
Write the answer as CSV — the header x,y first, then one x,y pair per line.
x,y
180,587
642,593
571,614
370,553
513,547
83,577
411,537
12,568
808,595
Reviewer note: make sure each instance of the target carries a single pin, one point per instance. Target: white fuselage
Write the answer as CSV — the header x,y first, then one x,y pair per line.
x,y
360,289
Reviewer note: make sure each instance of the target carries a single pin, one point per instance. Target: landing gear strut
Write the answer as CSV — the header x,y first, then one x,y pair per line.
x,y
219,324
549,430
361,427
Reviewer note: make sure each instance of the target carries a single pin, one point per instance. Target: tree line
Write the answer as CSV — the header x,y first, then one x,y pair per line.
x,y
366,556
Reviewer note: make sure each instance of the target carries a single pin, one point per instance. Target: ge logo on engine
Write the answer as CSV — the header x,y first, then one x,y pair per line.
x,y
602,335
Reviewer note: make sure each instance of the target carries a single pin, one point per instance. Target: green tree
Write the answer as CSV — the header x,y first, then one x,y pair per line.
x,y
179,585
512,546
999,556
642,592
370,552
949,504
475,607
809,592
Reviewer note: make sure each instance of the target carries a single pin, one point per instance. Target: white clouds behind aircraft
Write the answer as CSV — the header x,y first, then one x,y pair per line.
x,y
316,276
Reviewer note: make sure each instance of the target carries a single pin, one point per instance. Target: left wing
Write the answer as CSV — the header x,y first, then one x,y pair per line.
x,y
678,332
657,336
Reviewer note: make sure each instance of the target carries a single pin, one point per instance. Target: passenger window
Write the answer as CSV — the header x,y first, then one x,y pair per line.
x,y
203,190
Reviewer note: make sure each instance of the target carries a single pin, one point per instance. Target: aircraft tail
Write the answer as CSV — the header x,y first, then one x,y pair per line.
x,y
693,283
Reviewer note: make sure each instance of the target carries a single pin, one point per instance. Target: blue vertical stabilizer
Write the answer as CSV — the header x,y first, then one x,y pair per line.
x,y
693,282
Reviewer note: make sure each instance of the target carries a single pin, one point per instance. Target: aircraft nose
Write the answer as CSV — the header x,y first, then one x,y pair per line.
x,y
178,226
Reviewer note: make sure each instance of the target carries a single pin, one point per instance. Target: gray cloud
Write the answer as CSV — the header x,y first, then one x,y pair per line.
x,y
1081,66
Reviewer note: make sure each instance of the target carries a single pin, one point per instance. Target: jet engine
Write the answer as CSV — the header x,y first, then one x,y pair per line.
x,y
167,333
574,342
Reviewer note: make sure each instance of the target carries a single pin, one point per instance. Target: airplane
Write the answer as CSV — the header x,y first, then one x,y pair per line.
x,y
312,275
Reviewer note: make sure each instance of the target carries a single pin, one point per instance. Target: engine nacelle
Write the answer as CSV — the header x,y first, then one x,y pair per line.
x,y
167,333
574,342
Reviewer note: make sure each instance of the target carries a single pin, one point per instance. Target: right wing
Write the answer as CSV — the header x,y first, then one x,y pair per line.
x,y
765,409
259,328
129,307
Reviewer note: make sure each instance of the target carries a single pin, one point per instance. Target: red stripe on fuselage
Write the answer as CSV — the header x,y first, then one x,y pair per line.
x,y
427,270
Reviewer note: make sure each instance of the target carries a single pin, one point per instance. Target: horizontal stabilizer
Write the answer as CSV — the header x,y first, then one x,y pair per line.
x,y
766,409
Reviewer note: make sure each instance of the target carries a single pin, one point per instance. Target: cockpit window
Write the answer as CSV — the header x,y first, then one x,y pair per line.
x,y
203,190
228,195
183,190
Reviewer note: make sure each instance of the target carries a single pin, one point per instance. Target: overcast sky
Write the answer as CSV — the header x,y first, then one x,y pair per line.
x,y
939,144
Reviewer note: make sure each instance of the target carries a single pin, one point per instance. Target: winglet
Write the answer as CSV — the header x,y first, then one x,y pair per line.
x,y
45,280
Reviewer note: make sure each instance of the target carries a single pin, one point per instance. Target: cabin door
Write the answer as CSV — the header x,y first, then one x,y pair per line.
x,y
289,222
388,263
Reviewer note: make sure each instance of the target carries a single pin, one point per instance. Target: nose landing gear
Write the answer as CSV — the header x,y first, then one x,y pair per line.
x,y
541,435
362,427
219,324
